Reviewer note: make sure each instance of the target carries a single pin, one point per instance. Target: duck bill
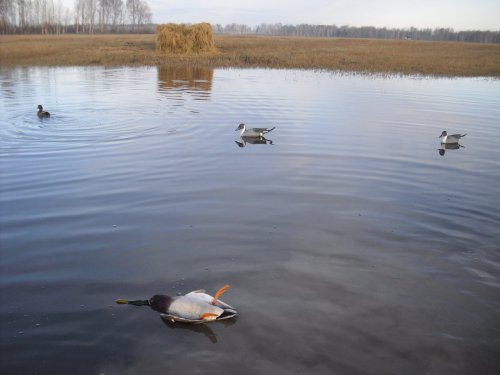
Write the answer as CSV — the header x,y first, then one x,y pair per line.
x,y
139,302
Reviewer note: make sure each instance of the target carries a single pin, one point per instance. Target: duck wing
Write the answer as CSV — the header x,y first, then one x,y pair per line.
x,y
263,130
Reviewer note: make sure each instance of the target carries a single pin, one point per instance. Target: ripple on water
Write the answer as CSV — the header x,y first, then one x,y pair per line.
x,y
31,132
388,248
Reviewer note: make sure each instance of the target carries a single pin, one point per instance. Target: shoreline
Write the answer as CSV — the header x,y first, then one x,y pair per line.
x,y
367,56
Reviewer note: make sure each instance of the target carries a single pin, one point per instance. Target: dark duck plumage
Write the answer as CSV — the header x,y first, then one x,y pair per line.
x,y
41,112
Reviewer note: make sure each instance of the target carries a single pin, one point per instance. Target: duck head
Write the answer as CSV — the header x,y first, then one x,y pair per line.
x,y
40,108
240,127
443,134
160,303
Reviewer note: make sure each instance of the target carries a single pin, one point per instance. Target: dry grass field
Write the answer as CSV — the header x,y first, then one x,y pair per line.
x,y
356,55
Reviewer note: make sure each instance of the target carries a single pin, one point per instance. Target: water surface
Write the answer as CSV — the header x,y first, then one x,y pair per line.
x,y
353,243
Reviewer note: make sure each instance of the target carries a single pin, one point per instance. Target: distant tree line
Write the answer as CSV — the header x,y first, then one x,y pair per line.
x,y
331,31
134,16
88,16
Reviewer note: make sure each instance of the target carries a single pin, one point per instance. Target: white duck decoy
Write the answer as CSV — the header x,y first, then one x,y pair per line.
x,y
253,132
194,307
452,138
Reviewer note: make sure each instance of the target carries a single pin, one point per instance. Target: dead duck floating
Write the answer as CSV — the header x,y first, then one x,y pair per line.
x,y
194,307
41,112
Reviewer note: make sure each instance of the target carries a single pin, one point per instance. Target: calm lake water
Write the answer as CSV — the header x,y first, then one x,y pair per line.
x,y
352,243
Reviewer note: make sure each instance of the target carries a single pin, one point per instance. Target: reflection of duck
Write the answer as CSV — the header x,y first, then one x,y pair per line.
x,y
200,328
449,146
253,132
41,112
194,307
253,141
450,139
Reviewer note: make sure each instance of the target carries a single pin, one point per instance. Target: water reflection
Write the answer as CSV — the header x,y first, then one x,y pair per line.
x,y
196,81
109,197
203,329
42,119
253,141
198,328
448,146
7,79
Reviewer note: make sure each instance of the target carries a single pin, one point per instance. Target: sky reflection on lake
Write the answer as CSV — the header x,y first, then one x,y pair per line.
x,y
352,243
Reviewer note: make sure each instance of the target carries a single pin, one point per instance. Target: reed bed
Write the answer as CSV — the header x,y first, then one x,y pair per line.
x,y
334,54
182,39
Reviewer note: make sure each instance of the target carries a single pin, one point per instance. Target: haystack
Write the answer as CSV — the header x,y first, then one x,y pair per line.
x,y
176,38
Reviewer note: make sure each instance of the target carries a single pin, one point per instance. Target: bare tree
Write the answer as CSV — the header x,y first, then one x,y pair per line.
x,y
345,31
133,10
92,11
145,14
104,10
21,14
51,16
89,16
139,13
80,6
7,20
116,12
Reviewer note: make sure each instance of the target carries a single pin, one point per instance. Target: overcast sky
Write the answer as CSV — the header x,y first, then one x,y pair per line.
x,y
457,14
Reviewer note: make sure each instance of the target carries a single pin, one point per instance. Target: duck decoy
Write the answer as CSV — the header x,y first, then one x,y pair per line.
x,y
194,307
452,138
41,112
253,132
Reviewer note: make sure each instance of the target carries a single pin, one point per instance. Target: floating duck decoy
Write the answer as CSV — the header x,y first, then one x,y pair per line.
x,y
41,112
253,132
194,307
452,138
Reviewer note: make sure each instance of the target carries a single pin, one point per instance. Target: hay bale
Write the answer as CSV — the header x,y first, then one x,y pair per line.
x,y
179,39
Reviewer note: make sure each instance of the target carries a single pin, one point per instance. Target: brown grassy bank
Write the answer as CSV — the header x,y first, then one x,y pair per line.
x,y
359,55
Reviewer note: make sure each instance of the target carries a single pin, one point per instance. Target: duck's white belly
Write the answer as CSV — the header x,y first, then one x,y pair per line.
x,y
192,308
